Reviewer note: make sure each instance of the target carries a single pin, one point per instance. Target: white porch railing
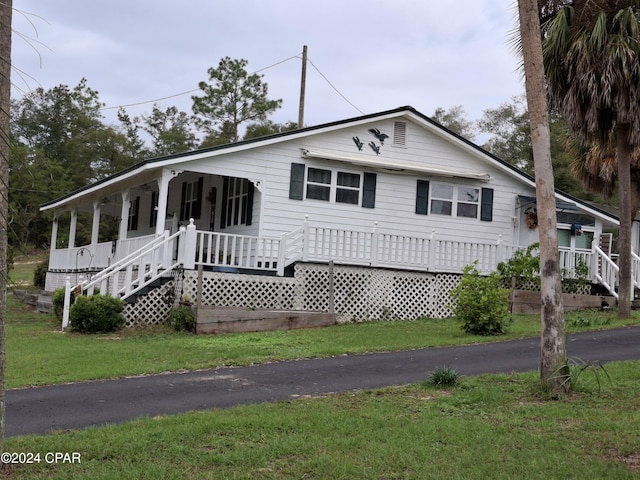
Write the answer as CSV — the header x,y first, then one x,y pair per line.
x,y
385,249
136,270
129,245
237,251
89,257
144,259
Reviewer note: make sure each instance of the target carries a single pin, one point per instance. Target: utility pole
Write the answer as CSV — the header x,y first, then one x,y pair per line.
x,y
303,82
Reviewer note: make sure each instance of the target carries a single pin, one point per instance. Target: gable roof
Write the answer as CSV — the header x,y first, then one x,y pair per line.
x,y
406,111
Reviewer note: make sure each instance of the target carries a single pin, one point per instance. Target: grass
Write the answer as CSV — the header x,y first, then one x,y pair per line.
x,y
38,353
492,426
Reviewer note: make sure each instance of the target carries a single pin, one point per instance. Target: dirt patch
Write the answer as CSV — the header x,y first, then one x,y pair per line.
x,y
631,460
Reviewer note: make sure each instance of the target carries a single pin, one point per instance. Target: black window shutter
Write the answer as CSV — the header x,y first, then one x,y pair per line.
x,y
225,201
250,193
183,206
486,207
196,209
369,190
296,182
422,197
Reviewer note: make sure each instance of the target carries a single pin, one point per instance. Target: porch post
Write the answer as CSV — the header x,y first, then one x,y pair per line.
x,y
96,222
374,245
187,246
124,216
72,228
163,194
54,231
431,267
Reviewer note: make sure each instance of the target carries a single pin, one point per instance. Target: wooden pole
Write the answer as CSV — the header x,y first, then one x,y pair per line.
x,y
332,304
303,82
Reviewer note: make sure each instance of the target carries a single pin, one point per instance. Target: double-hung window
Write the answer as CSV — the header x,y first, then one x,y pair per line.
x,y
348,188
454,200
319,184
334,186
330,186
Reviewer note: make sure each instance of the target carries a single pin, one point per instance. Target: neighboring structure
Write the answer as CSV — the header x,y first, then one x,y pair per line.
x,y
394,200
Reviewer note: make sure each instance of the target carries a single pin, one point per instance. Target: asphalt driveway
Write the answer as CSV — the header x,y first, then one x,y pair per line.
x,y
75,406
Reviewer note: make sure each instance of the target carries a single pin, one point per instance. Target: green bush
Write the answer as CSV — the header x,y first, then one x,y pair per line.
x,y
181,318
524,266
480,304
96,314
57,300
40,274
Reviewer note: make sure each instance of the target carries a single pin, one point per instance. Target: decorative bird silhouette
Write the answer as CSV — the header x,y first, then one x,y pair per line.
x,y
375,148
379,135
358,143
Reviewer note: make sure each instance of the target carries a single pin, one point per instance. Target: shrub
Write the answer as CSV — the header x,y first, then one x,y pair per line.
x,y
181,318
40,274
96,314
444,377
480,304
57,300
524,266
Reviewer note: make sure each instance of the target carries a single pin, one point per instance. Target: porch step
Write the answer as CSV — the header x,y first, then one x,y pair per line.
x,y
213,319
42,301
158,282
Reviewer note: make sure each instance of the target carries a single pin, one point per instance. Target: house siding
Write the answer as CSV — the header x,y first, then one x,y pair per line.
x,y
395,194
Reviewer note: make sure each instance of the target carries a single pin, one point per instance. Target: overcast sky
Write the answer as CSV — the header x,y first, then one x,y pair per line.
x,y
367,56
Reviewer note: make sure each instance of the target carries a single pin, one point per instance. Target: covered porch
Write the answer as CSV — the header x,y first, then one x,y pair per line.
x,y
136,263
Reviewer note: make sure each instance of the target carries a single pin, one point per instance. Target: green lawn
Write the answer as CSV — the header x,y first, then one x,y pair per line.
x,y
38,353
491,426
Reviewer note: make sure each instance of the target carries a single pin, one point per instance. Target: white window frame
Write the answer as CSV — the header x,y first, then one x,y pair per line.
x,y
333,186
237,199
454,200
190,198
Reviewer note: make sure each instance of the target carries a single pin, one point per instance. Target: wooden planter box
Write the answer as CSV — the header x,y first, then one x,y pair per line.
x,y
525,301
233,319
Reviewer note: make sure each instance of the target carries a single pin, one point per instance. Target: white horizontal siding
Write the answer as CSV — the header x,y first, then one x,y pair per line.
x,y
275,213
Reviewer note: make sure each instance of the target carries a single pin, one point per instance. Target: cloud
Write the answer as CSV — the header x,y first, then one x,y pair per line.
x,y
377,54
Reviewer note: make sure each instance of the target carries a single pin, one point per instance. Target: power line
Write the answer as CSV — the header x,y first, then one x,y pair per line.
x,y
332,86
257,71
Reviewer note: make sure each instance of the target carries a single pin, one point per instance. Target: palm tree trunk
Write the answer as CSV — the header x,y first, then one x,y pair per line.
x,y
625,287
553,364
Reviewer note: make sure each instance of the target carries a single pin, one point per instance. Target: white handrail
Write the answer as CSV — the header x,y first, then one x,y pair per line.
x,y
149,262
607,273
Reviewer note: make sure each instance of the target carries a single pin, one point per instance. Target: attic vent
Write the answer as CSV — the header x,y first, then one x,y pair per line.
x,y
400,134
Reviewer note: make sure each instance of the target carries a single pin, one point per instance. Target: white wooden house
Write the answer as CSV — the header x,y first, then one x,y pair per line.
x,y
395,201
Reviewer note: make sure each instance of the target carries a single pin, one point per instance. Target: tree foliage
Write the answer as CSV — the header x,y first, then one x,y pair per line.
x,y
171,131
591,53
231,97
454,120
59,143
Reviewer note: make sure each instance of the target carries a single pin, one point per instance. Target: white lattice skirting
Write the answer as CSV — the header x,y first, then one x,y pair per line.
x,y
360,293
